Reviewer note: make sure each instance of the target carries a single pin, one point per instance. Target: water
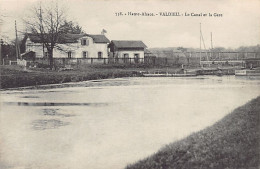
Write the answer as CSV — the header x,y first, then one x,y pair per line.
x,y
111,123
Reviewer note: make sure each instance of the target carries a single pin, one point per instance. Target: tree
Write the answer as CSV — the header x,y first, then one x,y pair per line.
x,y
182,49
46,22
71,27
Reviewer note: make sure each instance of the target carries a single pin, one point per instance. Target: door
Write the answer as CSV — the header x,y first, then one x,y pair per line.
x,y
136,57
126,57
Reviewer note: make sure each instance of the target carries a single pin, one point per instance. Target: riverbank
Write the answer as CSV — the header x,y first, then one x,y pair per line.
x,y
13,76
233,142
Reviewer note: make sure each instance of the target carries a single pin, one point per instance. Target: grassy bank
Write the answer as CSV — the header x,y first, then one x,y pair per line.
x,y
15,76
12,77
233,142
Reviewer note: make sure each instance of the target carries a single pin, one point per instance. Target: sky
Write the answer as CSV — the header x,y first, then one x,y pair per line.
x,y
237,22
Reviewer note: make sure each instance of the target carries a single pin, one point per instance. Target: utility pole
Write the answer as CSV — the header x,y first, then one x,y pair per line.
x,y
1,44
17,47
41,28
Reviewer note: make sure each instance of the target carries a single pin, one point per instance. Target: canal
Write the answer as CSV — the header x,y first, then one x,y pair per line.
x,y
110,123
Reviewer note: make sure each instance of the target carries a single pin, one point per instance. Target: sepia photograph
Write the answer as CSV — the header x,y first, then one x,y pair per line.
x,y
129,84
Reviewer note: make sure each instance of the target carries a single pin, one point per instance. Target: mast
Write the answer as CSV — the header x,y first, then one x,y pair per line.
x,y
211,40
211,50
200,44
202,39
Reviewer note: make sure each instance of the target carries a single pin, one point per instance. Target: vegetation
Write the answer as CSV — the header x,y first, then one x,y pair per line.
x,y
232,142
46,22
14,76
71,27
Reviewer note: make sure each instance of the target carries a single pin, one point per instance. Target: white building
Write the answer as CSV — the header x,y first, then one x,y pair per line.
x,y
127,50
71,46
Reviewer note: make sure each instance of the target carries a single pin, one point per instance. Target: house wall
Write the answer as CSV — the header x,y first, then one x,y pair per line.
x,y
39,50
120,54
76,49
92,49
35,47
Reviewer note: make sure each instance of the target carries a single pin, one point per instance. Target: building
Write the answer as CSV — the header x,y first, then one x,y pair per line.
x,y
252,62
125,51
70,46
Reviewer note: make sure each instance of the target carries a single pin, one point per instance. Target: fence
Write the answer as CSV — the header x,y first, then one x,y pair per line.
x,y
191,59
152,61
197,58
75,62
8,62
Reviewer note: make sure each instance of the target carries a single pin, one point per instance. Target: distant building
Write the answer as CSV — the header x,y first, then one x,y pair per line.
x,y
70,46
127,50
252,62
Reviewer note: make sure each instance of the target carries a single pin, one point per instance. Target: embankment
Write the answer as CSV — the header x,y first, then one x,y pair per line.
x,y
13,78
233,142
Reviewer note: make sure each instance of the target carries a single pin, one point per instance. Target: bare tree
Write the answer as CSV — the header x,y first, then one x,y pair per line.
x,y
46,22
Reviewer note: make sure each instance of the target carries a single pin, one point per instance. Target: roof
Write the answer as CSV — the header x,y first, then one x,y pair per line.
x,y
128,44
251,59
99,38
70,38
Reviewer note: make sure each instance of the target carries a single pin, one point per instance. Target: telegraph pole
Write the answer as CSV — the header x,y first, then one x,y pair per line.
x,y
1,44
41,28
17,48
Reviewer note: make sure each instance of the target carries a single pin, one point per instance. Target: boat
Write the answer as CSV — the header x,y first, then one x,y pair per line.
x,y
166,74
248,72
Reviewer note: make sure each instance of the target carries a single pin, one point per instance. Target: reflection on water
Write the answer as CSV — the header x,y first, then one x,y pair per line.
x,y
54,112
123,121
30,97
48,124
53,104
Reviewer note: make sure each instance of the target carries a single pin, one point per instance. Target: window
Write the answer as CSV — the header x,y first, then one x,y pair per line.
x,y
84,54
45,54
69,55
84,42
100,55
126,55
